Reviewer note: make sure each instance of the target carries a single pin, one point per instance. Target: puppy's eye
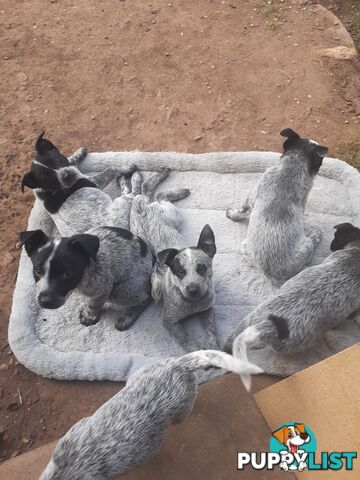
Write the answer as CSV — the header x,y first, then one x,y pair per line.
x,y
290,435
67,274
201,269
181,272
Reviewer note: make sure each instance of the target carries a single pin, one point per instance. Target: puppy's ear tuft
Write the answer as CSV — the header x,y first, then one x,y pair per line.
x,y
289,133
29,181
317,157
292,138
43,145
33,240
206,241
166,257
321,151
87,244
345,233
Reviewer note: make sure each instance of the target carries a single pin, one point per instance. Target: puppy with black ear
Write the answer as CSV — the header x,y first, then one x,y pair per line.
x,y
183,276
74,200
278,243
316,300
106,264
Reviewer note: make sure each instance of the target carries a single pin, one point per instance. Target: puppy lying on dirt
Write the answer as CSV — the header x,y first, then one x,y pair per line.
x,y
182,277
316,300
106,264
75,201
129,428
278,242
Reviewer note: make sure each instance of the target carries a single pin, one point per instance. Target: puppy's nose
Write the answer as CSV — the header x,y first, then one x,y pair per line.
x,y
304,436
193,290
46,300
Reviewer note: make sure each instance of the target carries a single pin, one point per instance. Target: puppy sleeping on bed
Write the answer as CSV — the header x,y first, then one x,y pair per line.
x,y
314,301
182,277
75,201
278,242
129,428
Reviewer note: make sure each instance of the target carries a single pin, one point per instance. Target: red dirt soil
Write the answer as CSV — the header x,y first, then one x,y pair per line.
x,y
122,75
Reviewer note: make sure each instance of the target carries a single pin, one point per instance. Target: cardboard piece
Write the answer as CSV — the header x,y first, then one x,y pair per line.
x,y
225,421
326,397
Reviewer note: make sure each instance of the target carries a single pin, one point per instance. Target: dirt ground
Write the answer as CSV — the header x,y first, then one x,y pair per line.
x,y
123,75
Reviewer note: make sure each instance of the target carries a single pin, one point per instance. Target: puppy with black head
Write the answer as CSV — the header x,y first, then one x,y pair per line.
x,y
314,301
278,243
183,276
74,200
106,264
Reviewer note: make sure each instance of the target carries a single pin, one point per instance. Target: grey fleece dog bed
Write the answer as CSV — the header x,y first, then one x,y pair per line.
x,y
53,343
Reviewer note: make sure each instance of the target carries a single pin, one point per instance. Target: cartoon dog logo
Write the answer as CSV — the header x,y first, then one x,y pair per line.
x,y
292,436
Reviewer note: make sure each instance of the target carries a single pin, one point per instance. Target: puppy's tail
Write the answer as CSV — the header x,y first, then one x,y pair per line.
x,y
213,358
263,332
249,335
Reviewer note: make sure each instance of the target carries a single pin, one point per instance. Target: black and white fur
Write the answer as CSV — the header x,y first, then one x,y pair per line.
x,y
278,243
314,301
74,200
183,277
106,264
129,428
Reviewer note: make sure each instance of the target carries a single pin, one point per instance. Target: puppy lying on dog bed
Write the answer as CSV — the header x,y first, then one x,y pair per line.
x,y
75,201
182,278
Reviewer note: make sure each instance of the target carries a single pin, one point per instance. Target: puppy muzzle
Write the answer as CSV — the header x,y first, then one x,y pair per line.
x,y
49,301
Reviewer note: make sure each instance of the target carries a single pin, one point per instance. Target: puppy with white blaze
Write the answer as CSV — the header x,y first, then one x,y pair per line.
x,y
75,201
182,278
278,243
316,300
106,264
129,428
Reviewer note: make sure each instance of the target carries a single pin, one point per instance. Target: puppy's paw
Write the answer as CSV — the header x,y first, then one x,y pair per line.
x,y
316,236
89,317
183,193
237,215
127,171
123,323
230,212
133,168
81,153
124,184
78,156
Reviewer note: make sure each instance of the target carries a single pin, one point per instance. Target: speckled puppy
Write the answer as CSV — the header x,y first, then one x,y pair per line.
x,y
105,264
129,428
277,241
74,200
314,301
183,277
